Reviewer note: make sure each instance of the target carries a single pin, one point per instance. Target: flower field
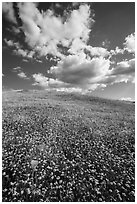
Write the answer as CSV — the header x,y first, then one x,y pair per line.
x,y
67,148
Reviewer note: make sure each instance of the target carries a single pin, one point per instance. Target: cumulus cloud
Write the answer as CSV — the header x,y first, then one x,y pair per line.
x,y
129,46
20,52
50,83
124,68
11,43
79,65
40,80
98,51
71,32
59,32
17,48
130,43
124,71
22,75
117,51
80,71
8,10
45,82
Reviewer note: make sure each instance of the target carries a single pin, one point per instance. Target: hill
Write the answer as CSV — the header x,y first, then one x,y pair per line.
x,y
83,147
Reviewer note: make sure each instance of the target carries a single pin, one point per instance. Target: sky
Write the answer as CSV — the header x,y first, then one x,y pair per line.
x,y
71,47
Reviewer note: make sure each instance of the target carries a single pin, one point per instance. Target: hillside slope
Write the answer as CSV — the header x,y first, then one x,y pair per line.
x,y
84,146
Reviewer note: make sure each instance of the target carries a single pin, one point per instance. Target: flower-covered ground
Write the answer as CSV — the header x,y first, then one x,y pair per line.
x,y
67,147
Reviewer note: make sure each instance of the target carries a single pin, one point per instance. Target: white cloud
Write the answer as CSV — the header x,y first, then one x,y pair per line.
x,y
124,71
8,10
40,61
76,73
117,51
40,80
130,43
80,71
17,68
71,32
79,66
22,75
25,53
25,60
11,43
21,52
50,83
45,82
124,68
126,99
59,32
97,51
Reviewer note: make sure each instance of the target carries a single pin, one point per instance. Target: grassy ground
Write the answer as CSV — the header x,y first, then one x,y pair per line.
x,y
84,147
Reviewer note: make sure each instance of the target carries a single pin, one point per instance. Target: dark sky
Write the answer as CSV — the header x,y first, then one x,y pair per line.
x,y
70,46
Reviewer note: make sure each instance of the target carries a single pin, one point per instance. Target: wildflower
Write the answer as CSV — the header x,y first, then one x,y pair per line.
x,y
34,163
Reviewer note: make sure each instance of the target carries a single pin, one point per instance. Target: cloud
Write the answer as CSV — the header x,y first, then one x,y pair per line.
x,y
80,71
50,83
18,50
22,75
25,60
40,61
70,31
45,82
97,51
40,80
60,32
124,71
124,68
17,69
65,40
117,51
130,43
21,52
129,46
8,10
126,99
76,73
11,43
